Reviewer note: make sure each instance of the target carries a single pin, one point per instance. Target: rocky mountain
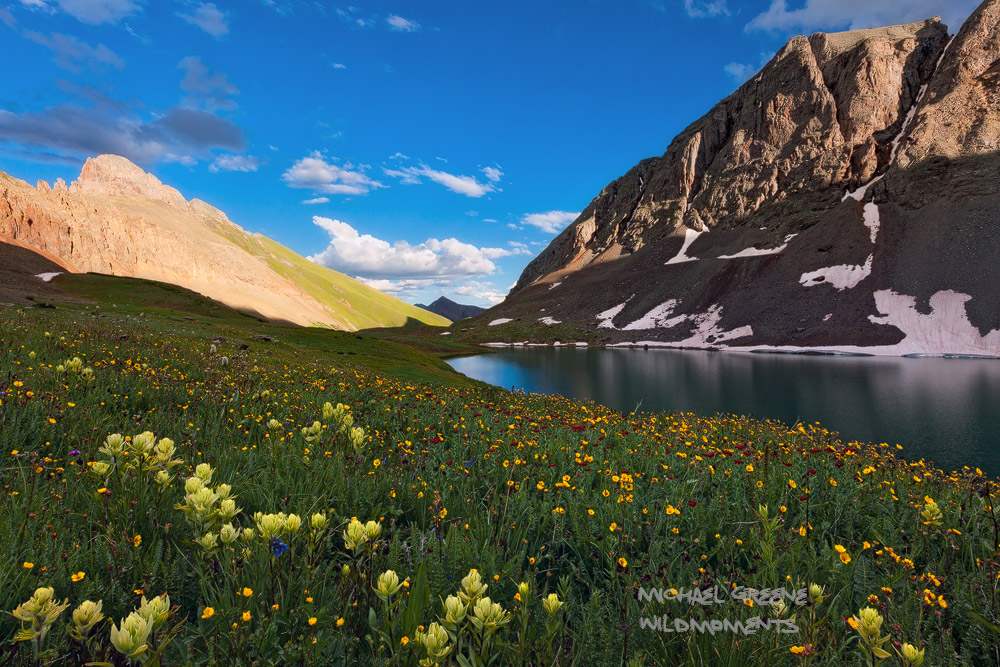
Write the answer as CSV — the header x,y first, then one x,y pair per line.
x,y
445,307
117,219
847,196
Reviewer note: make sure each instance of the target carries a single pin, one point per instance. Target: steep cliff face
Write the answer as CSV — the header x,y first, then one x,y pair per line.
x,y
835,199
119,220
822,114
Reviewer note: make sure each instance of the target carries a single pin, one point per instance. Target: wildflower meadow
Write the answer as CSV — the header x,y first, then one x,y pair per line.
x,y
190,490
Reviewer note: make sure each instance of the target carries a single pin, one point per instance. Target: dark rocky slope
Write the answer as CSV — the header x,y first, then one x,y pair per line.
x,y
847,196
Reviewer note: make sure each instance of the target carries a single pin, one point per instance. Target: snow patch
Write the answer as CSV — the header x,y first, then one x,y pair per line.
x,y
548,321
946,330
906,123
757,252
526,344
689,236
860,193
502,320
47,277
872,219
706,332
911,114
842,276
827,316
657,318
555,285
604,318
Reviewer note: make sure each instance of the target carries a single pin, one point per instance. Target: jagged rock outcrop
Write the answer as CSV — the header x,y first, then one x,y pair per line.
x,y
117,219
114,177
856,171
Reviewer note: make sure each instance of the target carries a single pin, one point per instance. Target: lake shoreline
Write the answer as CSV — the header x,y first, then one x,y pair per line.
x,y
939,408
788,350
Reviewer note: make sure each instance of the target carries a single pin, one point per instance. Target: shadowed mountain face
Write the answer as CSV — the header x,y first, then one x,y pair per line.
x,y
19,281
119,220
445,307
845,196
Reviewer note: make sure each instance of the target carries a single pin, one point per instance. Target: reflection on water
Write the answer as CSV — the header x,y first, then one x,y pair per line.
x,y
946,410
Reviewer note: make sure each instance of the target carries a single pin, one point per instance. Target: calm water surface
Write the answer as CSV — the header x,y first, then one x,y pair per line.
x,y
945,410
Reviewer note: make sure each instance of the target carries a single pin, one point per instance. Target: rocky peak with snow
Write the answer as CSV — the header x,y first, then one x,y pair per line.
x,y
855,172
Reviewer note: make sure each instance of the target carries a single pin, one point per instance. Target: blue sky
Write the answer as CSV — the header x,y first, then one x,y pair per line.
x,y
427,147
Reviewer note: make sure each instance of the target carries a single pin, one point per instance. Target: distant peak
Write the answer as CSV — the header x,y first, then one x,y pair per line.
x,y
445,307
116,176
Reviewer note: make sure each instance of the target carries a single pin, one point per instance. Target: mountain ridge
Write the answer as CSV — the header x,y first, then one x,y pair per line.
x,y
831,201
117,219
454,311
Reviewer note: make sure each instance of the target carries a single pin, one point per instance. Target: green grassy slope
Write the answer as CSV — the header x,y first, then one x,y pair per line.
x,y
172,310
357,305
364,306
559,512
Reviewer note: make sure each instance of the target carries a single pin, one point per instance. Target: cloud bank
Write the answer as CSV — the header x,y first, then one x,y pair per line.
x,y
317,173
354,253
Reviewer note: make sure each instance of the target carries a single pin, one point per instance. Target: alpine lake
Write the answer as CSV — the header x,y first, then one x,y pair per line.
x,y
944,410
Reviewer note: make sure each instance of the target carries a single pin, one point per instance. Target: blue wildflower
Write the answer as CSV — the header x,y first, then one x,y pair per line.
x,y
278,547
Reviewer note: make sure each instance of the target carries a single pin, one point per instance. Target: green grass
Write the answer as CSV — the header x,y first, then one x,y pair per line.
x,y
351,301
163,308
568,498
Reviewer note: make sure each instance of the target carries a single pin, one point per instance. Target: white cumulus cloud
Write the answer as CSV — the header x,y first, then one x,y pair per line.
x,y
91,12
700,9
73,55
740,71
463,185
321,175
243,163
482,291
359,254
551,222
493,173
399,287
209,18
399,24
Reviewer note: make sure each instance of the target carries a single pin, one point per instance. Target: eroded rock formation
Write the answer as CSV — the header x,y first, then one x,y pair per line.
x,y
117,219
854,165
